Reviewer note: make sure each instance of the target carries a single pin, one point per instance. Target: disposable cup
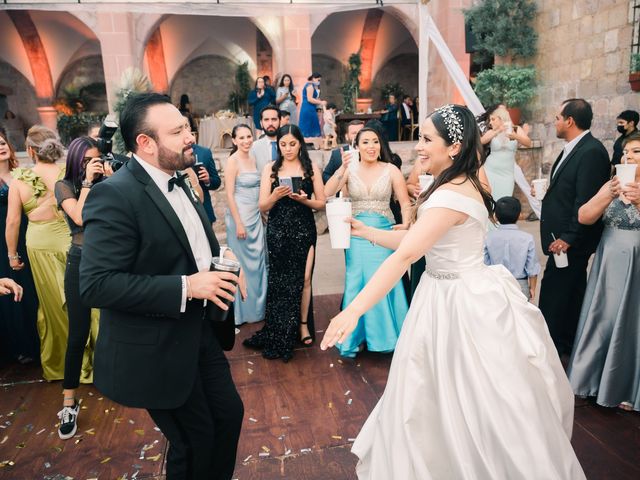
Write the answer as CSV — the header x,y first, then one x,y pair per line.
x,y
425,181
539,187
338,211
561,259
216,314
626,173
354,160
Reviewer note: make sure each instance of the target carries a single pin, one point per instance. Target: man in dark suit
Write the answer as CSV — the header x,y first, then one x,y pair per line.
x,y
577,175
145,264
208,177
335,161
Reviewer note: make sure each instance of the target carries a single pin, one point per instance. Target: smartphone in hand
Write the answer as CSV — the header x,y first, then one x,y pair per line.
x,y
286,182
297,184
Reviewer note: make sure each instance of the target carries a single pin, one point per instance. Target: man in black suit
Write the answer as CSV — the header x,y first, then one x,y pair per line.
x,y
335,161
208,177
577,175
145,263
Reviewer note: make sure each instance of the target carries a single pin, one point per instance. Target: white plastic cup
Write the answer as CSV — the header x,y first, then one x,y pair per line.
x,y
354,159
338,211
561,260
626,173
539,187
425,181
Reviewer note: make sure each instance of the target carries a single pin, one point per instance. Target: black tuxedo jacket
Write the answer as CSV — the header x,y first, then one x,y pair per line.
x,y
134,254
578,178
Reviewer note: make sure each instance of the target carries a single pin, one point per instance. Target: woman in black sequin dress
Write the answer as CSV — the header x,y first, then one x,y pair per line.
x,y
291,242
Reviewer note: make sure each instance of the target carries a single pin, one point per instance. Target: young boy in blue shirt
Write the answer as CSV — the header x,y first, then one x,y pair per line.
x,y
513,248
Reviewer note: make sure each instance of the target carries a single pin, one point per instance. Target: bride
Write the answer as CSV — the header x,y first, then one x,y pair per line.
x,y
476,389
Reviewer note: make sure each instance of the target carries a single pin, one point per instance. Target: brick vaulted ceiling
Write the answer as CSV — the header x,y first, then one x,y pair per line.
x,y
368,46
36,54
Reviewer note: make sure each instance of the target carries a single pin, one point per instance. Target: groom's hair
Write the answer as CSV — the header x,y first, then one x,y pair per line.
x,y
133,118
508,210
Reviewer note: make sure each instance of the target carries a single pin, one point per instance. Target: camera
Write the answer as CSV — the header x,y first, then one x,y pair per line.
x,y
105,144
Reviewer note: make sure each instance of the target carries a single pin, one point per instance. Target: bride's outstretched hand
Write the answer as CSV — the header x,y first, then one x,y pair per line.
x,y
340,328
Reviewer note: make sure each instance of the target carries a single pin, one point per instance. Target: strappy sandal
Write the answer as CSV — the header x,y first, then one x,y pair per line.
x,y
308,340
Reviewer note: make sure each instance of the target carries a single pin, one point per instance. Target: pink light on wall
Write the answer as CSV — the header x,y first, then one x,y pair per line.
x,y
43,83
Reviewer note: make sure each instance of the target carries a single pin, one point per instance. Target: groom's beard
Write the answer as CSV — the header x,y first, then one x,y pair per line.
x,y
170,160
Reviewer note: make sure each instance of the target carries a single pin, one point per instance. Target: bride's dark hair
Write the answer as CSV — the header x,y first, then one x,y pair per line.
x,y
466,163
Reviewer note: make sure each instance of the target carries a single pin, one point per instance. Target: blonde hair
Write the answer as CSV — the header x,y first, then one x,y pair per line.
x,y
502,114
45,144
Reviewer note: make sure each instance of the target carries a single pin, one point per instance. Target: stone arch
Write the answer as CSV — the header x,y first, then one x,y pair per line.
x,y
207,80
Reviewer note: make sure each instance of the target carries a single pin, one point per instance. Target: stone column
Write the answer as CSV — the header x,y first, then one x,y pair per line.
x,y
296,50
116,32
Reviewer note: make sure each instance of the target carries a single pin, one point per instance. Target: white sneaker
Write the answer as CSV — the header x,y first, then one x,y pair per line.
x,y
68,421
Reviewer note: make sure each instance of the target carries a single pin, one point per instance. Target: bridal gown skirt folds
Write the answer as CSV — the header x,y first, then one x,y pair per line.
x,y
476,390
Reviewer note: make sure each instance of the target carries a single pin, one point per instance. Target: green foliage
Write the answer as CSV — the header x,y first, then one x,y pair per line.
x,y
391,89
510,84
351,87
76,125
238,98
635,63
503,28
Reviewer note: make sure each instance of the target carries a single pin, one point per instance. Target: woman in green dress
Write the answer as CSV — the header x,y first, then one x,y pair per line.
x,y
47,242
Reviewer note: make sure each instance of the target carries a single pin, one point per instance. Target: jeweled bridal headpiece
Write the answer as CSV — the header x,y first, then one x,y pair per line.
x,y
453,122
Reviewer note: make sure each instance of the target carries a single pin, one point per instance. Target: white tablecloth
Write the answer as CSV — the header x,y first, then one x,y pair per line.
x,y
211,131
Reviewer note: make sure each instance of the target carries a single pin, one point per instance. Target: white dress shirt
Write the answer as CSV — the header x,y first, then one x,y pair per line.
x,y
407,110
567,150
191,223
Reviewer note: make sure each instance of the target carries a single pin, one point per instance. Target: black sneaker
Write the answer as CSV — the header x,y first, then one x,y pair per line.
x,y
68,421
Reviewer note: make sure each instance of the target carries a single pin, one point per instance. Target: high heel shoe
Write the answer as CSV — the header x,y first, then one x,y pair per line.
x,y
253,342
308,340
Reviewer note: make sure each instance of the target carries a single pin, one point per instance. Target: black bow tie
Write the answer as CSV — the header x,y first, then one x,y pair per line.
x,y
178,180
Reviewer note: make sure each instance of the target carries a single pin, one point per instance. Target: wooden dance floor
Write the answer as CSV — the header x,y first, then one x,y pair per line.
x,y
299,423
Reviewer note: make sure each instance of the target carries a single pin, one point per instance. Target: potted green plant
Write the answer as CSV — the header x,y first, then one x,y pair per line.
x,y
238,98
351,87
634,73
512,85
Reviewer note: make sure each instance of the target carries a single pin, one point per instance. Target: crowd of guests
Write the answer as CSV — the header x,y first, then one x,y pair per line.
x,y
273,189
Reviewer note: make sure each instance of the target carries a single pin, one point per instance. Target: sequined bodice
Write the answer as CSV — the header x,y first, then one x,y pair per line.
x,y
375,200
622,216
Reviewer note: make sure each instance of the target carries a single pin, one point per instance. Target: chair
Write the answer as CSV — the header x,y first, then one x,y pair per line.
x,y
411,128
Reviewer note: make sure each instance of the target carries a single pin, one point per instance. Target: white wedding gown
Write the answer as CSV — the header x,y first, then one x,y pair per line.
x,y
476,389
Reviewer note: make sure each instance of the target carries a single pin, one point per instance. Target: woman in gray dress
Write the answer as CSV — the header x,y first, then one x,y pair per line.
x,y
245,231
605,362
286,98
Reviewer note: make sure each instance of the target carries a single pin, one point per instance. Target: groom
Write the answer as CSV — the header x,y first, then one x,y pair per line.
x,y
146,255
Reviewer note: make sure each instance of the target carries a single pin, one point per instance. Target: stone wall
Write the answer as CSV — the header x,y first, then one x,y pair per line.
x,y
21,100
86,71
208,80
583,51
334,73
402,69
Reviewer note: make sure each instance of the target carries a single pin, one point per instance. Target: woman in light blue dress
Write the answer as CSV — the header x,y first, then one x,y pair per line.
x,y
309,123
245,230
501,162
370,185
286,98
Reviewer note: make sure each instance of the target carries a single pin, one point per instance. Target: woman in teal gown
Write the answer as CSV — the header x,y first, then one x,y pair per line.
x,y
370,185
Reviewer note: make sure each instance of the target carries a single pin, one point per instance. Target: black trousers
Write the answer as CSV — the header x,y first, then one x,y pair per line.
x,y
561,295
79,320
203,433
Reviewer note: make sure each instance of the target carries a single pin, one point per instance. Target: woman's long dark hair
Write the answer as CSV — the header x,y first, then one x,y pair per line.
x,y
75,170
466,163
303,154
234,133
385,150
281,84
